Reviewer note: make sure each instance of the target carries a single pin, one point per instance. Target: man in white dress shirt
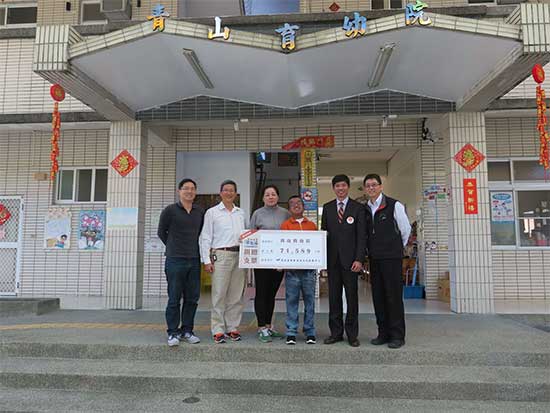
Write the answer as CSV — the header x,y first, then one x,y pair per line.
x,y
388,231
219,249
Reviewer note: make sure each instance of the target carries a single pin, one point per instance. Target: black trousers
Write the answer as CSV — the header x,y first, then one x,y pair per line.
x,y
338,279
387,297
267,284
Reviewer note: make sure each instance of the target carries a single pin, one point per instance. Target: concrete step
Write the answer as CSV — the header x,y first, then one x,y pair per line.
x,y
16,306
276,352
76,401
330,380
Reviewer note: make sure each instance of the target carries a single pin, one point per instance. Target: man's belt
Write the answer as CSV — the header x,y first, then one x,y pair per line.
x,y
233,249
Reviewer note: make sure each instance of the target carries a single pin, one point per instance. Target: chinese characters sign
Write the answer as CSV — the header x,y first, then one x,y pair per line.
x,y
124,163
415,13
311,142
159,14
217,33
308,168
288,36
469,157
470,196
283,249
355,27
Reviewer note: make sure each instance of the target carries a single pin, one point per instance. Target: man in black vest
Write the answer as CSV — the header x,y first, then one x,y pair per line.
x,y
344,221
388,231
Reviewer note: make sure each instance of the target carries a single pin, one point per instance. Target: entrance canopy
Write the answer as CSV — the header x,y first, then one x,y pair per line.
x,y
469,62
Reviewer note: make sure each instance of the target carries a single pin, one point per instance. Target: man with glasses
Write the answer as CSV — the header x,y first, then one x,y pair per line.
x,y
219,247
179,227
388,231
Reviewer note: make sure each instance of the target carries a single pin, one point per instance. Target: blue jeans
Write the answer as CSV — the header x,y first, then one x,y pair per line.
x,y
297,281
183,276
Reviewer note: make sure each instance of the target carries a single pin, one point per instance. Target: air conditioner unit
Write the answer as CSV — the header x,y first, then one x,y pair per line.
x,y
116,10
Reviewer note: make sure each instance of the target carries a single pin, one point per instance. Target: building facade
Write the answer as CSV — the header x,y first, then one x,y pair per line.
x,y
181,103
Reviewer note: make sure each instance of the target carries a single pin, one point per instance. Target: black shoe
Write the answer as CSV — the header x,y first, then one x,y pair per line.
x,y
311,340
291,340
378,341
332,340
354,343
396,343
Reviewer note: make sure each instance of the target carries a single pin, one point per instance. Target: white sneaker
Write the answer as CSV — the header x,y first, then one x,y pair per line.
x,y
173,340
191,338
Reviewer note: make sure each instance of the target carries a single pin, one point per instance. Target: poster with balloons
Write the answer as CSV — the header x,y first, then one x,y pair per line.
x,y
91,230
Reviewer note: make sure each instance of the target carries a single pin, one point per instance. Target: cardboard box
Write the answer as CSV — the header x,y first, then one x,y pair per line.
x,y
444,290
323,286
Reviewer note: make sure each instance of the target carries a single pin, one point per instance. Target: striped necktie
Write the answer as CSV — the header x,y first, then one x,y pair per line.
x,y
340,212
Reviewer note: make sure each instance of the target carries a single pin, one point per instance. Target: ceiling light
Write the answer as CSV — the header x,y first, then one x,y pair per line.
x,y
384,55
193,60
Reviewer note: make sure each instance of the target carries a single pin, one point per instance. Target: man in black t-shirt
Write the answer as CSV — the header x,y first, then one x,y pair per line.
x,y
179,228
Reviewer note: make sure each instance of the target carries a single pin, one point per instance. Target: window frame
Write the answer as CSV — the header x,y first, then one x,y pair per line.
x,y
515,187
8,6
90,22
75,170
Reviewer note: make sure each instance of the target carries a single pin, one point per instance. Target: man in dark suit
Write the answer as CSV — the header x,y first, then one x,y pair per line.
x,y
344,221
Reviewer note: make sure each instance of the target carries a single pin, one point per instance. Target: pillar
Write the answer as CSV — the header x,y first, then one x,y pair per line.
x,y
124,243
470,260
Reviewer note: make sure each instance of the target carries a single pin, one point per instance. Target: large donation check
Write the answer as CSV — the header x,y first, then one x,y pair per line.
x,y
303,250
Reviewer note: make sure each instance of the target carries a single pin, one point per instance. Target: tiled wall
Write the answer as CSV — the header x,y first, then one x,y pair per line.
x,y
54,12
22,154
318,6
23,91
517,274
141,13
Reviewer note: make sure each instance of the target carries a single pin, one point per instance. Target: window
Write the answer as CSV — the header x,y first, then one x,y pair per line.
x,y
499,171
18,14
396,4
520,203
91,12
81,185
377,4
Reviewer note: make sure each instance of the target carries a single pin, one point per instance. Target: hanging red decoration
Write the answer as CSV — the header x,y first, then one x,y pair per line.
x,y
469,157
124,163
58,94
4,214
544,149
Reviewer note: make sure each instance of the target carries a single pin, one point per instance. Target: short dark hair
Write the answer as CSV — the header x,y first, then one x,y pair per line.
x,y
341,178
294,197
184,181
228,182
373,176
270,186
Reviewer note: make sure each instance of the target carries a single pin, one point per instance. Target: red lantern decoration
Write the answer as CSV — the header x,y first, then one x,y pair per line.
x,y
538,73
544,149
57,93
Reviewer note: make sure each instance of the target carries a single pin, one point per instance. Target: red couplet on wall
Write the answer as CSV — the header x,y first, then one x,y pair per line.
x,y
470,196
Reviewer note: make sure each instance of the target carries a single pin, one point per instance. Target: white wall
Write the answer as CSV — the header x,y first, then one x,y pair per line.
x,y
286,178
402,181
210,169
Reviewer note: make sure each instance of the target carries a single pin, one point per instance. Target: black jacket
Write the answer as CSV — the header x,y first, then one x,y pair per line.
x,y
384,236
347,240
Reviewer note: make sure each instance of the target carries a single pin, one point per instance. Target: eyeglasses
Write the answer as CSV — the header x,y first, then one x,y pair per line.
x,y
372,186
